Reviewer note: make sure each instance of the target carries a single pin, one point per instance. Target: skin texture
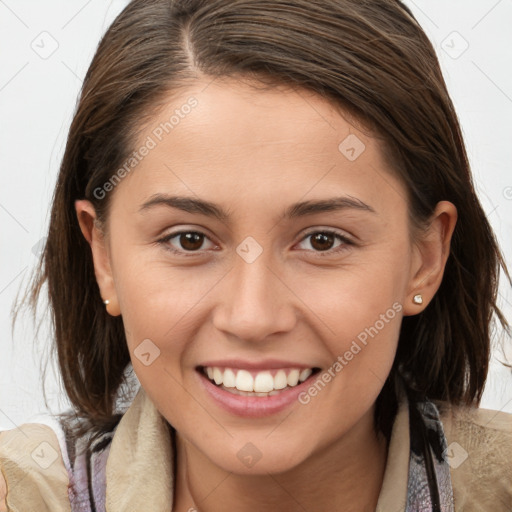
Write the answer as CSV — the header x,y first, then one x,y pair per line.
x,y
255,153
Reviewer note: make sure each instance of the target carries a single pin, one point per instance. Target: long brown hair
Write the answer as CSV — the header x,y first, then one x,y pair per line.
x,y
372,59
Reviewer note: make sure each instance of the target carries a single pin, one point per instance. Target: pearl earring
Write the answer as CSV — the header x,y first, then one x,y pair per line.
x,y
106,302
418,299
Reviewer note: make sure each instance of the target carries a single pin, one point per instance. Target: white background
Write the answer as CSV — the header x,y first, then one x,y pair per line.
x,y
38,93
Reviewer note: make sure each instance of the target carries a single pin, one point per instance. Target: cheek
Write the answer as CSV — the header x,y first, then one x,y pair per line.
x,y
362,352
361,313
359,297
166,306
363,346
152,292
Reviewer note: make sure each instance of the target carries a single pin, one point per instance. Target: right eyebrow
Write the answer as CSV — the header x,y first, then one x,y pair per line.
x,y
187,204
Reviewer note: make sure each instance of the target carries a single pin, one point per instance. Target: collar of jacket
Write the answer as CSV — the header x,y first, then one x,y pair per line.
x,y
139,468
141,477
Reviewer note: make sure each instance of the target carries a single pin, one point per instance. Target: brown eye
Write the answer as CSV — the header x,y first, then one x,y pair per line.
x,y
325,242
186,243
191,241
322,241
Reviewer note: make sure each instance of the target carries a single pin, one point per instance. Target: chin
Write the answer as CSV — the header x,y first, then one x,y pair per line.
x,y
259,457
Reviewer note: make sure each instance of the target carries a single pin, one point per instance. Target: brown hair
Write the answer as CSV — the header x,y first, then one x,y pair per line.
x,y
372,59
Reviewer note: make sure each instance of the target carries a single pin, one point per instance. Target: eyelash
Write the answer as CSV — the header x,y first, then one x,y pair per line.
x,y
346,242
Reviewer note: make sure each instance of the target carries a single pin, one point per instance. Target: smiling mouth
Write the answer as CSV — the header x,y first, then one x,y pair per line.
x,y
256,383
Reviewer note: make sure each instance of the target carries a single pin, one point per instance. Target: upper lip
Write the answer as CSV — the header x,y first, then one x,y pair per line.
x,y
267,364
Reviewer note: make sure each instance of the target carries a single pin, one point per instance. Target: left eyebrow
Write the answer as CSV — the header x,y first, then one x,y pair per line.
x,y
326,205
301,209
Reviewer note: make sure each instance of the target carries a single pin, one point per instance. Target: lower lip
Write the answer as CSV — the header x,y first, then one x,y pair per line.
x,y
253,406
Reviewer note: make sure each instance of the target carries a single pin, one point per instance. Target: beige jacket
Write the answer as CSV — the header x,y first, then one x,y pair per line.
x,y
479,451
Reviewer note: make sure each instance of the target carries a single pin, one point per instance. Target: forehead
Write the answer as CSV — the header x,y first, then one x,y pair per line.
x,y
234,141
241,114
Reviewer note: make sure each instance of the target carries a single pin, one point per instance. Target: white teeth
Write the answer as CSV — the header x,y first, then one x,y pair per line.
x,y
217,376
280,381
293,378
260,385
229,379
244,381
304,374
264,382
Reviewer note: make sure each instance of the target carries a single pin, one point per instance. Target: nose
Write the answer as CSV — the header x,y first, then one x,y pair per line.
x,y
255,301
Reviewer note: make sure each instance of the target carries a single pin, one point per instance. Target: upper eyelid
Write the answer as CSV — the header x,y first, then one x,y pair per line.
x,y
343,235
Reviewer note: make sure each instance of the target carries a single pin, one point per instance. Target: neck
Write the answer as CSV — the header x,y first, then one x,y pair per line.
x,y
344,475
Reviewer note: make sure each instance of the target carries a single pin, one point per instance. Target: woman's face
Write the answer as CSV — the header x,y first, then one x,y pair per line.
x,y
279,284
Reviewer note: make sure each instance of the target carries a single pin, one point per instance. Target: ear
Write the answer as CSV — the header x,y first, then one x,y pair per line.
x,y
93,233
430,253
